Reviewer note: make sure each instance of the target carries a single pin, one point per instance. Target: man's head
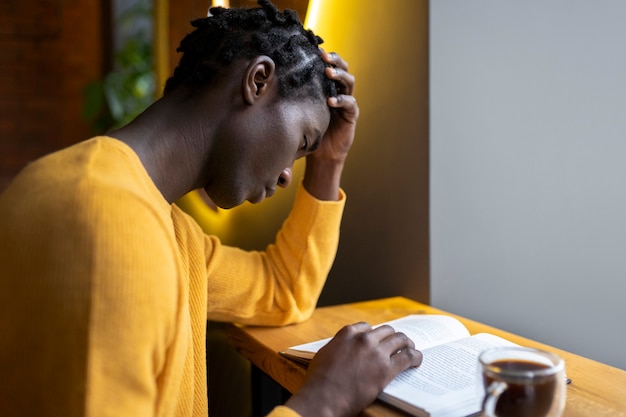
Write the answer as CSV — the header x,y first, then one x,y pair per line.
x,y
265,74
231,34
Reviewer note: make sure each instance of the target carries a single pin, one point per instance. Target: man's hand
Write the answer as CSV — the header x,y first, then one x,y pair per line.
x,y
325,165
348,373
340,133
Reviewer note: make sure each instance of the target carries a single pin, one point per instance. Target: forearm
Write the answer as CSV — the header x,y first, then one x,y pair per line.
x,y
280,285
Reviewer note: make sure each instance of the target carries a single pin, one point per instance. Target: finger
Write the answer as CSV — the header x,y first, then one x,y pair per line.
x,y
381,333
343,101
348,104
406,358
351,329
343,78
397,341
334,59
402,351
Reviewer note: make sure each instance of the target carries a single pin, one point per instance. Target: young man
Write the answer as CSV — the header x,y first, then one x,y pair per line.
x,y
107,285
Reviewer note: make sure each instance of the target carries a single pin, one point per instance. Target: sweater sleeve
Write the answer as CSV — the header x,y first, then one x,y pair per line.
x,y
282,411
282,284
93,297
135,302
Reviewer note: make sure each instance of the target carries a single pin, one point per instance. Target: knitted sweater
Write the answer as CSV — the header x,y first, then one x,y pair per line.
x,y
105,288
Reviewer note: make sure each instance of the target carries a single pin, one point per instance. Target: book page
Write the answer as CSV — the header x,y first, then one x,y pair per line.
x,y
447,382
425,330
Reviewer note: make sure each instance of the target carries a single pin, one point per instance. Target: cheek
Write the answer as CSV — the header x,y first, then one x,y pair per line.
x,y
255,155
277,151
276,156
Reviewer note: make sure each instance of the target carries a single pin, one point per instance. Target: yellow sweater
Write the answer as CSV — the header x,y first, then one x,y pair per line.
x,y
105,288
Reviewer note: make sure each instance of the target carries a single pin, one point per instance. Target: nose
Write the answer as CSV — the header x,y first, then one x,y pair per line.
x,y
284,179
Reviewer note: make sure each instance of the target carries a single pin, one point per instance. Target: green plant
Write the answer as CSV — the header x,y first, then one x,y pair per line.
x,y
129,88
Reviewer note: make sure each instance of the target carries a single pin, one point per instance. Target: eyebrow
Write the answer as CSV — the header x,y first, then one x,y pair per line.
x,y
318,139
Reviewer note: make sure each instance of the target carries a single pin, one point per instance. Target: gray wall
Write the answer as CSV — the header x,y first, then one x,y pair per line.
x,y
528,169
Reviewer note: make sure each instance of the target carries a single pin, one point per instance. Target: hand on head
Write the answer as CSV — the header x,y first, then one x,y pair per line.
x,y
352,369
340,134
325,165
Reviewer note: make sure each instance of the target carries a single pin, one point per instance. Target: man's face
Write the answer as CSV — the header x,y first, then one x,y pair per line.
x,y
256,152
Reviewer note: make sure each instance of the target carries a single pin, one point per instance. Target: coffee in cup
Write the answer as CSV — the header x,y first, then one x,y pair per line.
x,y
522,382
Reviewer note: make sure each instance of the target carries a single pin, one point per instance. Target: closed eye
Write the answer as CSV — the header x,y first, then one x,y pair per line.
x,y
318,140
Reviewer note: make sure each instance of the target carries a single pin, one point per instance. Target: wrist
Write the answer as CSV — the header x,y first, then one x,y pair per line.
x,y
314,403
322,179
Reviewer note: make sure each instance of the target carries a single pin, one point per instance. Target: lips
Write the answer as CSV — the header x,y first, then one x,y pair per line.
x,y
269,192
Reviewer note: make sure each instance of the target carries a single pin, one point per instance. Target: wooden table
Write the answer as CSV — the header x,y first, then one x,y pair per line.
x,y
597,390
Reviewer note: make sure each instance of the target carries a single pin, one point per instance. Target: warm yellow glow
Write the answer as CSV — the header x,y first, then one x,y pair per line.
x,y
161,43
221,3
312,13
327,18
208,219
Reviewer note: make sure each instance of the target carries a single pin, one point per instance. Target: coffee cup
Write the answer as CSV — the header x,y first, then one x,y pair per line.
x,y
522,382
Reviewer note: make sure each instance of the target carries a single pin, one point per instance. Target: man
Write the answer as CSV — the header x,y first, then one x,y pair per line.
x,y
107,284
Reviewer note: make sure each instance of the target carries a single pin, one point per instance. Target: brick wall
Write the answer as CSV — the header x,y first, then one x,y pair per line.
x,y
49,49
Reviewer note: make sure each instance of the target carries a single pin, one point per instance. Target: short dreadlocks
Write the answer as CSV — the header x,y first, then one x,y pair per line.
x,y
229,34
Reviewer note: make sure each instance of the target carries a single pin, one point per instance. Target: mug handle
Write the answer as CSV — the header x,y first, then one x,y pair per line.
x,y
491,398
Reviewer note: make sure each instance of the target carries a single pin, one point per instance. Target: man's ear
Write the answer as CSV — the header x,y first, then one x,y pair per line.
x,y
258,76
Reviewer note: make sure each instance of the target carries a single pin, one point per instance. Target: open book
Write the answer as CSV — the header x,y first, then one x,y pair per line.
x,y
447,383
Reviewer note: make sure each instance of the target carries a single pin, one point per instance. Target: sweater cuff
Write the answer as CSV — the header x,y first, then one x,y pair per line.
x,y
309,212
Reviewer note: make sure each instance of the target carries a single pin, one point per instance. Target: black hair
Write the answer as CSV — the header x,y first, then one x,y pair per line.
x,y
229,34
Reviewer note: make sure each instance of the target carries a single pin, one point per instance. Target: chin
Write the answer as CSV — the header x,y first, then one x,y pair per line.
x,y
228,204
223,203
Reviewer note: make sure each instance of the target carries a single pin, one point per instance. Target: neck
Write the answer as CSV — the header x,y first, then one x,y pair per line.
x,y
172,156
